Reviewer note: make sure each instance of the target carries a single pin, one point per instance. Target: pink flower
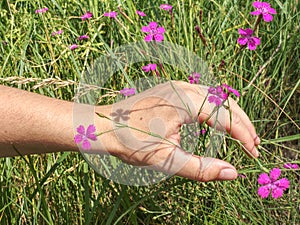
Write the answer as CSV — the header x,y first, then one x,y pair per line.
x,y
59,32
217,95
43,10
87,15
127,91
85,137
149,67
111,14
73,46
247,38
264,9
140,13
82,37
231,90
166,7
154,33
271,183
291,166
194,78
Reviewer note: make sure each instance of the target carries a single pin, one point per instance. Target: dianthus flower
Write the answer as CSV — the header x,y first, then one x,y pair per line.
x,y
154,33
217,95
82,37
194,78
264,9
149,67
291,166
127,91
166,7
85,137
140,13
73,46
271,183
87,15
111,14
231,90
247,38
43,10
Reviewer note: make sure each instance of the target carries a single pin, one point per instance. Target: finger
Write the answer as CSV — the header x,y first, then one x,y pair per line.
x,y
235,107
234,121
184,164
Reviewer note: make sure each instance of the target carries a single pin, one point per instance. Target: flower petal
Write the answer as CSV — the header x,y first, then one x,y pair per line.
x,y
263,191
274,174
251,45
272,11
283,183
146,68
263,179
81,130
149,37
146,29
257,4
256,40
255,13
242,41
86,145
277,193
267,17
78,138
91,129
160,30
158,37
249,31
242,32
152,25
152,66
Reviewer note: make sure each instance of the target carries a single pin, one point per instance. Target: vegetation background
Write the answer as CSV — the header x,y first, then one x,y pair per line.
x,y
62,189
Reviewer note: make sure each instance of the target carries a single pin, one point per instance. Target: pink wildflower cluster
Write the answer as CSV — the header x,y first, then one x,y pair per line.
x,y
271,183
264,10
154,32
247,38
220,94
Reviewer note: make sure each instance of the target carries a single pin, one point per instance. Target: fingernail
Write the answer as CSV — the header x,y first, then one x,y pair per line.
x,y
227,174
257,140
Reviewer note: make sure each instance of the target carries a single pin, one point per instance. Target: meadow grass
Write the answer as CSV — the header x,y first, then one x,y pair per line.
x,y
62,189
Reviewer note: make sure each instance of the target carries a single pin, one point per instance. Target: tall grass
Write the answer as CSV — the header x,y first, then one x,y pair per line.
x,y
61,188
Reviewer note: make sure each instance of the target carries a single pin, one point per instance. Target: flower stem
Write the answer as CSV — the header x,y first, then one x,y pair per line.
x,y
257,23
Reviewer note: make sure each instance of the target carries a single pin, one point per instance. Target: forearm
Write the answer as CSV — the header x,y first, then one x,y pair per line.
x,y
34,124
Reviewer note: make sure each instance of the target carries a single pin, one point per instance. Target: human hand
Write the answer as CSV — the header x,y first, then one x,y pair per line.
x,y
144,130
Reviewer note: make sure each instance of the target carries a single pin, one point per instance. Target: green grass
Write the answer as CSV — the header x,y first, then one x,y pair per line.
x,y
62,189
